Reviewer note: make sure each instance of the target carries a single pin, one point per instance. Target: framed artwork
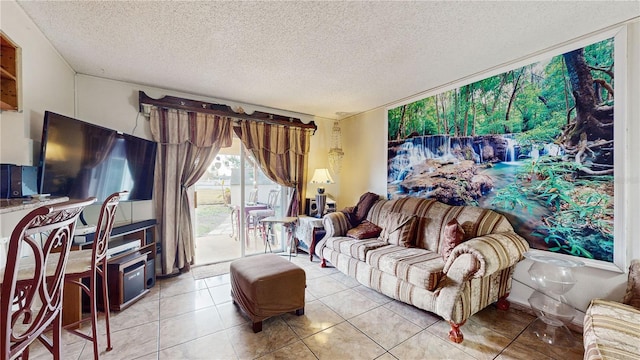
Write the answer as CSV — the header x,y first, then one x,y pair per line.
x,y
540,142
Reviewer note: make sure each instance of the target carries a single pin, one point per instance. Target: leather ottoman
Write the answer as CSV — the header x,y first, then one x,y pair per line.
x,y
267,285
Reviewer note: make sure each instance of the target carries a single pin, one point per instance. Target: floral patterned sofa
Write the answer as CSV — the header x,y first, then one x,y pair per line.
x,y
611,328
475,273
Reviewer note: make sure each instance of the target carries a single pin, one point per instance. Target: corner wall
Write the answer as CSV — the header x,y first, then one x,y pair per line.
x,y
366,170
47,84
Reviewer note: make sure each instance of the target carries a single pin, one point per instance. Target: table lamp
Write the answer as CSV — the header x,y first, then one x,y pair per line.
x,y
321,176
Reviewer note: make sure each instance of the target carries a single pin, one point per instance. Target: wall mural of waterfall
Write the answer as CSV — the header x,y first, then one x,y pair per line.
x,y
535,143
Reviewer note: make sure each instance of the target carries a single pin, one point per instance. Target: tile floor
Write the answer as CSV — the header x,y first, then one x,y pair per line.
x,y
184,318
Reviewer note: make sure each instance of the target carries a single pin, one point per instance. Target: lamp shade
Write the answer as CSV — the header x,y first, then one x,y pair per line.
x,y
321,176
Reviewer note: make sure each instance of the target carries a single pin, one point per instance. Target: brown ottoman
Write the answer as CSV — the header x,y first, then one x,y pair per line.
x,y
267,285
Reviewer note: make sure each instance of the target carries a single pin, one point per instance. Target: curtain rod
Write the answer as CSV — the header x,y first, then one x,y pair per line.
x,y
222,110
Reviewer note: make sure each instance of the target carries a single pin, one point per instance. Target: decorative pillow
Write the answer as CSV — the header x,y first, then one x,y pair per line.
x,y
399,229
364,205
350,212
366,230
452,235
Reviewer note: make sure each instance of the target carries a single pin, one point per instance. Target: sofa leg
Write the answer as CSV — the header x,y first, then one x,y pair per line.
x,y
503,303
455,334
323,264
256,326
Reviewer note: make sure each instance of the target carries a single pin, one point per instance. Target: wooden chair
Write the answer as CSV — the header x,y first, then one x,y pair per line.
x,y
91,264
31,297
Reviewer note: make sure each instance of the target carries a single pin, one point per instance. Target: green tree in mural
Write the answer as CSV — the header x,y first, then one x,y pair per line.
x,y
589,137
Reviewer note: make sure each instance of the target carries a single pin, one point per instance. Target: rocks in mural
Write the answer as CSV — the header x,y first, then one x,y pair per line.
x,y
454,182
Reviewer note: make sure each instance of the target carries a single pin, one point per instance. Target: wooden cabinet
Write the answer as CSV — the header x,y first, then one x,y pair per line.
x,y
131,273
126,280
130,268
9,74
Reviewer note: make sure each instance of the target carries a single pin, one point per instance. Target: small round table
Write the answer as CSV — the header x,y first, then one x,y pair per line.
x,y
553,277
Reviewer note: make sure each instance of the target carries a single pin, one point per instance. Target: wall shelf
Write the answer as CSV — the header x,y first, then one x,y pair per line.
x,y
10,54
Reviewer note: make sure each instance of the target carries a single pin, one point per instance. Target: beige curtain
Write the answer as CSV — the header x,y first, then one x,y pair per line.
x,y
187,143
281,152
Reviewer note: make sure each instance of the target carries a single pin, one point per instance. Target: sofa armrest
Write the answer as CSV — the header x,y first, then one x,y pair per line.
x,y
485,255
632,295
611,331
336,224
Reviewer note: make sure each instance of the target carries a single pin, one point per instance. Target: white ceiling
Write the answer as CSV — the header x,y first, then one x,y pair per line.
x,y
315,58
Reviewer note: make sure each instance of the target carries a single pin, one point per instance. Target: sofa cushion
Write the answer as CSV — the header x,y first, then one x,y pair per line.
x,y
433,215
365,230
611,331
353,247
420,267
452,235
399,229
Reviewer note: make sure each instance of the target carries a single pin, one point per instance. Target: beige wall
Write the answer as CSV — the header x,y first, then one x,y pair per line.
x,y
47,84
366,170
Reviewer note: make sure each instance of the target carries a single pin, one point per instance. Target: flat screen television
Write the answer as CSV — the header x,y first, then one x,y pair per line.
x,y
79,160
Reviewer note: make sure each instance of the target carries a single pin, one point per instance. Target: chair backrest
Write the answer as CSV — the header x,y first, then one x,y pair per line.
x,y
272,199
32,287
253,196
104,227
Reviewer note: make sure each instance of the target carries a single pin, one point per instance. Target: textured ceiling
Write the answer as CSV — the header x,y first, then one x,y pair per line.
x,y
315,58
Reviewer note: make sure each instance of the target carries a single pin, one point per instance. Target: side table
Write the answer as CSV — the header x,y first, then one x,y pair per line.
x,y
288,222
307,233
554,278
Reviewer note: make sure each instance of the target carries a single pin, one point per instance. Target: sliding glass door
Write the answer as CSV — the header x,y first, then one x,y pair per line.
x,y
230,200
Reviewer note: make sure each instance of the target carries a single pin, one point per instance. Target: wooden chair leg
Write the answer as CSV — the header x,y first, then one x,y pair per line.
x,y
503,303
257,326
455,334
107,310
94,318
57,339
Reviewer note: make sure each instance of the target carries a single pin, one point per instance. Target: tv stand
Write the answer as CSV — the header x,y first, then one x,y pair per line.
x,y
135,255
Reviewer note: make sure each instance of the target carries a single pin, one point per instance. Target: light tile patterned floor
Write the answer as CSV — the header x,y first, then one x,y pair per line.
x,y
184,318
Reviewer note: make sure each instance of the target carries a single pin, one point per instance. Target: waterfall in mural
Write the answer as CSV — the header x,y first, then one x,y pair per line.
x,y
535,143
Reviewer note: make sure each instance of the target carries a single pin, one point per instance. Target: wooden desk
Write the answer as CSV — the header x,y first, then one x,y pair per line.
x,y
72,295
141,230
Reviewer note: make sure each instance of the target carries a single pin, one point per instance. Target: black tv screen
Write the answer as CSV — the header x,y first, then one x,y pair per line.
x,y
81,160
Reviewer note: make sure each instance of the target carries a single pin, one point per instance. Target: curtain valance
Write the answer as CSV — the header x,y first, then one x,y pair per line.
x,y
172,102
173,126
276,139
